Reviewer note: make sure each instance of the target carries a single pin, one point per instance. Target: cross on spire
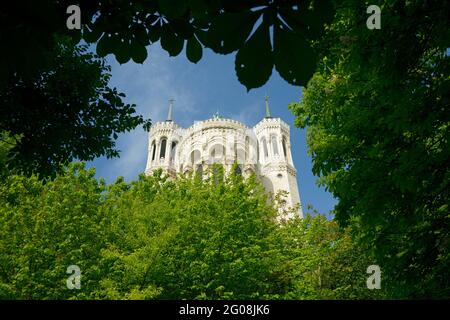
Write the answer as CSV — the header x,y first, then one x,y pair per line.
x,y
169,113
267,108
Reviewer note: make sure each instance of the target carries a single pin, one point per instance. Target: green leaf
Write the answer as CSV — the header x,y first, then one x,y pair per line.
x,y
198,8
324,10
401,253
173,8
140,33
106,45
154,33
295,60
229,31
3,74
182,28
194,50
92,34
171,42
303,22
75,36
122,51
138,52
254,61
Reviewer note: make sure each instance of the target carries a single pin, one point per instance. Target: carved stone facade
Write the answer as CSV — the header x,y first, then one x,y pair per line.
x,y
264,149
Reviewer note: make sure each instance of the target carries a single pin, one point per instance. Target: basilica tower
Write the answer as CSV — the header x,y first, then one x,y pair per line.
x,y
264,150
275,166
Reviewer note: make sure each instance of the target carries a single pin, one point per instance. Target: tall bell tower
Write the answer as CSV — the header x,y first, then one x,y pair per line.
x,y
264,150
164,139
276,168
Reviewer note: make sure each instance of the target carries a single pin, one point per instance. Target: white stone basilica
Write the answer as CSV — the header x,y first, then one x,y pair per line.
x,y
264,149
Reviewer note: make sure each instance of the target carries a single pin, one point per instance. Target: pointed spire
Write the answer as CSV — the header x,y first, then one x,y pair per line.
x,y
169,114
267,108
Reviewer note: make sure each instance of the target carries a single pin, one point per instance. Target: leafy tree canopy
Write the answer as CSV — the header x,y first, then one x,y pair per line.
x,y
378,119
264,33
160,239
65,111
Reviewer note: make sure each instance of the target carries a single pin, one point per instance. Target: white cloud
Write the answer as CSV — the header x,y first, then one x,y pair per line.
x,y
149,86
153,83
250,114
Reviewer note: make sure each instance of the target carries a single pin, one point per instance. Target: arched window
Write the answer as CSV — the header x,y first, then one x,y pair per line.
x,y
264,146
173,149
153,150
240,155
284,146
217,153
162,152
195,157
275,145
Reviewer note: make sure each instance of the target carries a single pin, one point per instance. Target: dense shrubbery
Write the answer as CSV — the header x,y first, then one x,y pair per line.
x,y
378,119
154,238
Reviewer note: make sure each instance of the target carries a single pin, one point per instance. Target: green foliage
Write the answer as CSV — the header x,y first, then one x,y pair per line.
x,y
255,70
324,262
45,229
378,121
66,111
156,238
194,50
191,239
7,144
125,28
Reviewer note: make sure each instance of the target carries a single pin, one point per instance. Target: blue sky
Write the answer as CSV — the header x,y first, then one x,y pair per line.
x,y
199,91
